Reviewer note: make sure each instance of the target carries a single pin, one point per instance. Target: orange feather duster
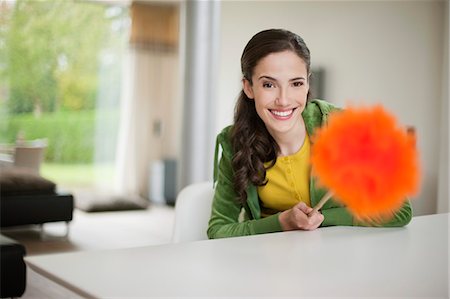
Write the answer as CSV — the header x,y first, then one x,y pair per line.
x,y
367,160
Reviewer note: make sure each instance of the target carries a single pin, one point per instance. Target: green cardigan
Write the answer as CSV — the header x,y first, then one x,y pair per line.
x,y
229,218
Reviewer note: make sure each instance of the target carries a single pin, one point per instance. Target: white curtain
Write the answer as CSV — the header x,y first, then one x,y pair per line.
x,y
149,117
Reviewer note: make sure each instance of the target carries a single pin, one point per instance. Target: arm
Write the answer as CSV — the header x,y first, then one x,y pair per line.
x,y
400,218
224,221
336,214
341,216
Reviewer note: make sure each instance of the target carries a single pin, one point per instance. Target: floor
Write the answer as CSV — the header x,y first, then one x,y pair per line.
x,y
91,231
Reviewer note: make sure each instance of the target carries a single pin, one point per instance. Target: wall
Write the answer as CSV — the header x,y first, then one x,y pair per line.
x,y
373,52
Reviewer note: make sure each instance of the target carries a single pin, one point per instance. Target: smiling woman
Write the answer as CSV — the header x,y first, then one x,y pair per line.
x,y
265,171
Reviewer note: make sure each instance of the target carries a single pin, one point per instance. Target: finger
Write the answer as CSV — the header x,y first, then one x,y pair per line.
x,y
300,205
316,215
303,207
311,213
318,220
315,220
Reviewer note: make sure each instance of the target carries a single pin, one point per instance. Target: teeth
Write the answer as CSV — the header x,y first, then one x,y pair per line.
x,y
282,113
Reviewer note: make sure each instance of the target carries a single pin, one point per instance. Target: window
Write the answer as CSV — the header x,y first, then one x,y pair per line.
x,y
61,68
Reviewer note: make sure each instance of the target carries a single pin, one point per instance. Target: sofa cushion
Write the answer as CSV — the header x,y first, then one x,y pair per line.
x,y
22,181
100,201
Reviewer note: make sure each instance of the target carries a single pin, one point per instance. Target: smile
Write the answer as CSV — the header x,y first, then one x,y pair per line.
x,y
285,114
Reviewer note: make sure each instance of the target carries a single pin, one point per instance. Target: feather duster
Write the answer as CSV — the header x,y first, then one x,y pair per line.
x,y
367,161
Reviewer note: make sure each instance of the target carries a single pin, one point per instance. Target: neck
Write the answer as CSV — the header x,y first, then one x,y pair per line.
x,y
290,142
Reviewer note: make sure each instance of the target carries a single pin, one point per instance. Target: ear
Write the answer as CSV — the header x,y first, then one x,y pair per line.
x,y
247,87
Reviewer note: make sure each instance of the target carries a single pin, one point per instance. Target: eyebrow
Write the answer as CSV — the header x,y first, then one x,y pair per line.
x,y
273,79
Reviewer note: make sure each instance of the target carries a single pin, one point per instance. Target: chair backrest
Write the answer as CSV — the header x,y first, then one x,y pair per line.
x,y
192,212
29,156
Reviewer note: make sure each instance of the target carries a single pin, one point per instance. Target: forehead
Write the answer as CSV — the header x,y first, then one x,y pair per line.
x,y
281,64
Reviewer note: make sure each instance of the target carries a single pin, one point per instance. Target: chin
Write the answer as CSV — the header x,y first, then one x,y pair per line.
x,y
281,129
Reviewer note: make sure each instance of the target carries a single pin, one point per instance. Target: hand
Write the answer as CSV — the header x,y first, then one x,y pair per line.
x,y
297,218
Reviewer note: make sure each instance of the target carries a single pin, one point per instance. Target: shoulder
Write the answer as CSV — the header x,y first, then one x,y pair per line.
x,y
317,106
316,113
224,140
225,135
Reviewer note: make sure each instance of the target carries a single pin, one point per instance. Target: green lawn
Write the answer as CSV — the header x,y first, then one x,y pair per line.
x,y
78,175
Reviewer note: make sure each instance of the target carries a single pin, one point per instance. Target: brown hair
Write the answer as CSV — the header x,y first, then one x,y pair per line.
x,y
252,143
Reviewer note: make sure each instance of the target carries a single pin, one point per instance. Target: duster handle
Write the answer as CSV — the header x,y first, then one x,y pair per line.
x,y
324,199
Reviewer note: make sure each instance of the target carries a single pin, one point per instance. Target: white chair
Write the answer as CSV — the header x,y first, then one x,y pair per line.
x,y
30,154
29,157
192,212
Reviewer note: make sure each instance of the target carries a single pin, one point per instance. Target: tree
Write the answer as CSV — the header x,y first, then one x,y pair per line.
x,y
51,51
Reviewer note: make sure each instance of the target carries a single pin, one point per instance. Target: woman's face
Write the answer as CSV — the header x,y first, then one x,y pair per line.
x,y
280,87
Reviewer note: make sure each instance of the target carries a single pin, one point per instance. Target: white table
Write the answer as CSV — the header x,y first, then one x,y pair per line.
x,y
329,262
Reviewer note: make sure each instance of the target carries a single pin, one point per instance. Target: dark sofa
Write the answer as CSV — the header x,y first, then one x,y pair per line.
x,y
13,270
26,198
19,210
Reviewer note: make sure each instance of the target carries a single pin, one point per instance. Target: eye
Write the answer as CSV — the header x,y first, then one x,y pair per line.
x,y
268,85
298,83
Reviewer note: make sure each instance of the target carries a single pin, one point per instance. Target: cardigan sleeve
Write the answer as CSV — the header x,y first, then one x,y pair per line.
x,y
400,218
337,214
341,216
224,221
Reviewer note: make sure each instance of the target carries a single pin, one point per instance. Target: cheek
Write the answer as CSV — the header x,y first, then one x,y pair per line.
x,y
261,104
302,94
259,107
264,97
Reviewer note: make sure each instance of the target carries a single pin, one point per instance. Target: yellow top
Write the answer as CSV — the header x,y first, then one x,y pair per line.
x,y
288,182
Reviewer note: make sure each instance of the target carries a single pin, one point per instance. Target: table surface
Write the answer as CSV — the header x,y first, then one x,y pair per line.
x,y
329,262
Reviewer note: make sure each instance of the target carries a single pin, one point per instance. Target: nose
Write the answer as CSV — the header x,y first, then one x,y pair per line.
x,y
282,98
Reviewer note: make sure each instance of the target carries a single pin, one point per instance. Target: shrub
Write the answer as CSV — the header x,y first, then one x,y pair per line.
x,y
70,134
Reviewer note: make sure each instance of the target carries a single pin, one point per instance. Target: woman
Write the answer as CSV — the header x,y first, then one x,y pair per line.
x,y
263,180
